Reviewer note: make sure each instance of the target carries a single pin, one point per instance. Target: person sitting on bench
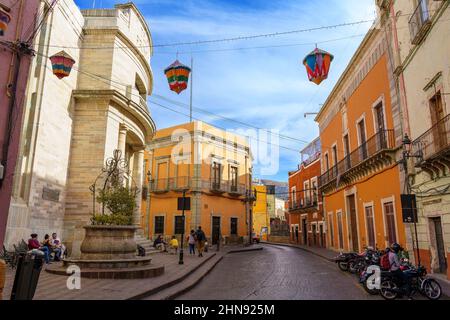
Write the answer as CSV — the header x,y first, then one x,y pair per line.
x,y
36,248
56,246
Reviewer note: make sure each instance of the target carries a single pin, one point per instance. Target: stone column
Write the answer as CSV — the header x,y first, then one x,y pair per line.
x,y
122,139
138,178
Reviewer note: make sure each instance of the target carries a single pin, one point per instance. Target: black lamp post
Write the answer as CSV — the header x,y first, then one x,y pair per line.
x,y
184,227
406,155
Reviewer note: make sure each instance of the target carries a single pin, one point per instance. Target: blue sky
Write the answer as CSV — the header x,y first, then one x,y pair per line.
x,y
267,88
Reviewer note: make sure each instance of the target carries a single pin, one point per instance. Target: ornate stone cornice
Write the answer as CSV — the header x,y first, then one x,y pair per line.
x,y
132,107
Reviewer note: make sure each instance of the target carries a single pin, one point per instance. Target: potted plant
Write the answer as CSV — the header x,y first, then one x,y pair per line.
x,y
111,233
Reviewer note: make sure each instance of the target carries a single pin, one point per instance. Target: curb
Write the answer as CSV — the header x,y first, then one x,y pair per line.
x,y
169,284
197,281
300,248
244,250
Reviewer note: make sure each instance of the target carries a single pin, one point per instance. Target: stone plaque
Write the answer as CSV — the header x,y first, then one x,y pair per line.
x,y
50,194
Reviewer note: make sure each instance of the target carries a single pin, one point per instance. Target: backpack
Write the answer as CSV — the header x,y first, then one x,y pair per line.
x,y
141,251
200,236
384,262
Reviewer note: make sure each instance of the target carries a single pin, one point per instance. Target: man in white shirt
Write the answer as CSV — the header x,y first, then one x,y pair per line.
x,y
57,246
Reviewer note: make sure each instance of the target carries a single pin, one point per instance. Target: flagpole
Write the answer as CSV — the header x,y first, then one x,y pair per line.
x,y
192,83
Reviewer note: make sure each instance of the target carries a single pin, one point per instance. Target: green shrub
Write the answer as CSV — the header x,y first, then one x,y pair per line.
x,y
120,203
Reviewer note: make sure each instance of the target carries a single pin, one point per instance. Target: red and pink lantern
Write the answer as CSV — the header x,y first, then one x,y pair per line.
x,y
62,64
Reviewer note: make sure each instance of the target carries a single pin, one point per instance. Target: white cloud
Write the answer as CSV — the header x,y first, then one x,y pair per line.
x,y
265,87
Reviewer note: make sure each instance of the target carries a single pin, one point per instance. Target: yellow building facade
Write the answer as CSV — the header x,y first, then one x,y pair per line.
x,y
213,168
261,219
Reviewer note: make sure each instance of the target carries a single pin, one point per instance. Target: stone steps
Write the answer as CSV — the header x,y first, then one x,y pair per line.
x,y
140,272
187,283
146,244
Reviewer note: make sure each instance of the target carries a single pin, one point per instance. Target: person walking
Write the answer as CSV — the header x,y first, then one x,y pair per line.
x,y
201,239
191,242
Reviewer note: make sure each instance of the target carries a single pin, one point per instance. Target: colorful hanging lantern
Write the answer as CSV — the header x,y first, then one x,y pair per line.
x,y
5,18
317,65
178,76
62,64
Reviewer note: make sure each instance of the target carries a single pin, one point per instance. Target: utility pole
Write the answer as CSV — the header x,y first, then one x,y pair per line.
x,y
192,84
406,155
149,175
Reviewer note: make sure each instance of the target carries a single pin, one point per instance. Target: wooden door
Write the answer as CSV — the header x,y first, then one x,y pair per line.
x,y
353,222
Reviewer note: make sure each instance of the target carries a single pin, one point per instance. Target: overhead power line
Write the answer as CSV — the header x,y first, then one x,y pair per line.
x,y
230,119
111,82
232,39
108,81
261,47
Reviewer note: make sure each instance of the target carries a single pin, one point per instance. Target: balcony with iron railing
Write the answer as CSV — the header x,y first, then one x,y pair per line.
x,y
420,22
432,149
179,184
303,207
170,184
375,151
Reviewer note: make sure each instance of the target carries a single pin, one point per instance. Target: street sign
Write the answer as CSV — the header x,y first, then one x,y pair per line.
x,y
409,208
187,203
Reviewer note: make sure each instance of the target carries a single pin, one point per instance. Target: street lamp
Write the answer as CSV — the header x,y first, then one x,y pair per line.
x,y
406,143
147,220
181,261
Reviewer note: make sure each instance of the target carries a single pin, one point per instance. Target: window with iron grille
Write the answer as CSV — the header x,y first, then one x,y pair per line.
x,y
179,225
159,225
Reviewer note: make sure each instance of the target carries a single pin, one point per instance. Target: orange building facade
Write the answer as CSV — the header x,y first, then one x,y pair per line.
x,y
360,133
306,220
213,167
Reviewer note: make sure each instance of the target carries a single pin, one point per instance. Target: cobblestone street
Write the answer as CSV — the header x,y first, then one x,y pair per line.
x,y
277,273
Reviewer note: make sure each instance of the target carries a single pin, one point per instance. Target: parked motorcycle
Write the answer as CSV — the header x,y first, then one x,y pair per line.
x,y
363,260
392,286
343,258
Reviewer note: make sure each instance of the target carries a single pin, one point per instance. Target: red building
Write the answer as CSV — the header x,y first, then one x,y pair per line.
x,y
306,221
18,23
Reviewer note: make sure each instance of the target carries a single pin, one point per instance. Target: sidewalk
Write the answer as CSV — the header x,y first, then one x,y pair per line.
x,y
53,287
330,255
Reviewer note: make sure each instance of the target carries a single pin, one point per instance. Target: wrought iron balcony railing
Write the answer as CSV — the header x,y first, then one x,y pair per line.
x,y
383,140
170,184
299,206
433,142
420,22
188,183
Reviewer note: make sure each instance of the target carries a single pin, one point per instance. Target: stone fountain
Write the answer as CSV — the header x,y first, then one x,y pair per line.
x,y
110,251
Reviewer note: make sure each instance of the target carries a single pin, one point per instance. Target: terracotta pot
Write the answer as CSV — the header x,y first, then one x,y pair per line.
x,y
109,243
